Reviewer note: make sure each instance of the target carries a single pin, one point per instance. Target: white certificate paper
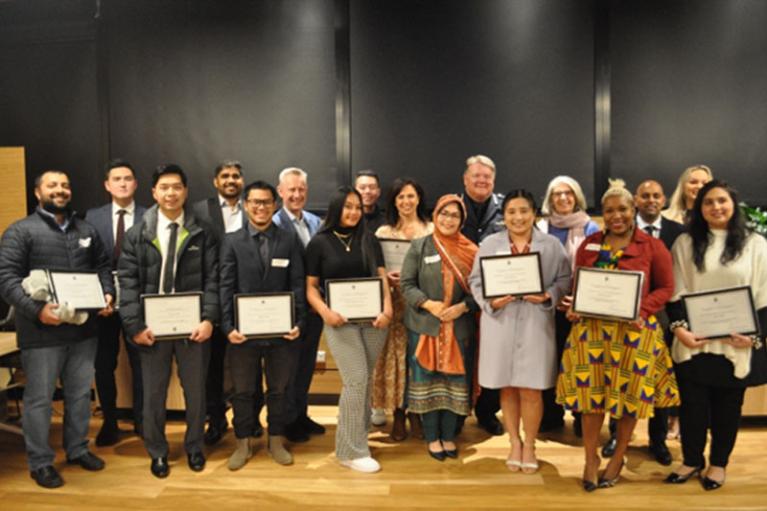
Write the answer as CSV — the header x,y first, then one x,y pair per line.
x,y
720,312
264,315
81,290
612,294
394,253
355,299
515,275
172,316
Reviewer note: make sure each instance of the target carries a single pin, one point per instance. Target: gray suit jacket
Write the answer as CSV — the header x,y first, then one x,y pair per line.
x,y
421,279
101,219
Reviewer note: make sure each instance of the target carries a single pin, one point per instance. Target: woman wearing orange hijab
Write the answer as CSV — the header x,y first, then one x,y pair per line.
x,y
441,326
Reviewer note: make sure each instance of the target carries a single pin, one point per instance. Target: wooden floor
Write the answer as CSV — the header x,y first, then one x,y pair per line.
x,y
409,479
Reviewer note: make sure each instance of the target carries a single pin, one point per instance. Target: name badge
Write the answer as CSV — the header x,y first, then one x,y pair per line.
x,y
432,259
593,247
280,263
85,242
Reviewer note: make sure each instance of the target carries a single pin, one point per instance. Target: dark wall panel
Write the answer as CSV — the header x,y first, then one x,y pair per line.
x,y
435,82
689,85
198,82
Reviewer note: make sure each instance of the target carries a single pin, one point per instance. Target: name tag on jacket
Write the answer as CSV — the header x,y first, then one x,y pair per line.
x,y
432,259
593,247
280,263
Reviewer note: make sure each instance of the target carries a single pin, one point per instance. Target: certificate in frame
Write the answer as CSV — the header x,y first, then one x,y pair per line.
x,y
717,313
172,316
80,289
608,294
264,315
394,252
358,300
511,274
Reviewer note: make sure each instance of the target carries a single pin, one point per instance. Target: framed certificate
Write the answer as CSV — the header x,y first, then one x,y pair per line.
x,y
609,294
516,275
355,299
264,315
720,312
394,252
172,316
81,290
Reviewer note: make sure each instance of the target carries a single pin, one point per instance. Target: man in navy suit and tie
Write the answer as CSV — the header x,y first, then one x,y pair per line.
x,y
649,200
261,258
292,216
220,215
111,221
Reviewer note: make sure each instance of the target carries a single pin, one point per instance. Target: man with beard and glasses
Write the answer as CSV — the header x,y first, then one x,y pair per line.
x,y
53,238
220,215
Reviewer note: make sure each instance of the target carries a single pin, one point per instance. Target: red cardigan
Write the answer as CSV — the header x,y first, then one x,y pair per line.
x,y
646,254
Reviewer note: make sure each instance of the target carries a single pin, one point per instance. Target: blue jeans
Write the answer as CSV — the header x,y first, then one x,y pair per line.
x,y
74,364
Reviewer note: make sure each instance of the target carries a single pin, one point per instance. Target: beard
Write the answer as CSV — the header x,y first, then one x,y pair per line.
x,y
52,208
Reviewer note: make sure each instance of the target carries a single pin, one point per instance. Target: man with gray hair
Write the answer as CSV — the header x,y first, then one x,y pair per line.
x,y
293,189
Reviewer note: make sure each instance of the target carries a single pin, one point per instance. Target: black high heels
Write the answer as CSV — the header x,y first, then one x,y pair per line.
x,y
609,483
710,484
674,478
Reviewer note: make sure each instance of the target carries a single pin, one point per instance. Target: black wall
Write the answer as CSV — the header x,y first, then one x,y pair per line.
x,y
589,88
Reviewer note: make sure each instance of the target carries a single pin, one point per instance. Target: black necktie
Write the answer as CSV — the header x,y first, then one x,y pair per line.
x,y
650,229
263,250
170,259
118,237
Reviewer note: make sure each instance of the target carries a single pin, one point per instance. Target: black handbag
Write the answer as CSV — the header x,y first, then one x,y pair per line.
x,y
758,374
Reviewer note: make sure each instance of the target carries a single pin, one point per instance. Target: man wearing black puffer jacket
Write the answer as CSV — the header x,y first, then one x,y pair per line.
x,y
53,238
169,252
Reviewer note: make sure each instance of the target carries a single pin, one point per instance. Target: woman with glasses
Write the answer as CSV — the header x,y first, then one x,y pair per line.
x,y
406,219
344,249
518,353
441,326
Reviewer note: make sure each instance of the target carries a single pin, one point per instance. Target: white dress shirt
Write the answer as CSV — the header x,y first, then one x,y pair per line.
x,y
163,236
128,218
656,225
232,215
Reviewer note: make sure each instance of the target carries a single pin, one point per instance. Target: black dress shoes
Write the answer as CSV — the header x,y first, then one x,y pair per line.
x,y
674,478
196,461
88,461
661,454
296,433
609,448
710,484
47,477
216,430
109,434
312,427
439,455
451,453
160,467
491,424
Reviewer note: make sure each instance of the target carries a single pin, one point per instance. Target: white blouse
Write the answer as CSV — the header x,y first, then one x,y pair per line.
x,y
749,269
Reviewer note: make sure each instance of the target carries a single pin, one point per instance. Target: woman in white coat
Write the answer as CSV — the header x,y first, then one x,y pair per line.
x,y
518,352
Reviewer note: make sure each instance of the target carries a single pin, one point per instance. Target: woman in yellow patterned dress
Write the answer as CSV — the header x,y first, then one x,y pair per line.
x,y
619,367
406,219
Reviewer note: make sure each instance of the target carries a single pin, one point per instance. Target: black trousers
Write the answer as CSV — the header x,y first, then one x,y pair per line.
x,y
245,362
704,404
109,330
553,413
192,359
306,359
215,404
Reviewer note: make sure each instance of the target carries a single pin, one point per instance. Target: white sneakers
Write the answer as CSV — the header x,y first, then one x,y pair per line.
x,y
366,464
378,417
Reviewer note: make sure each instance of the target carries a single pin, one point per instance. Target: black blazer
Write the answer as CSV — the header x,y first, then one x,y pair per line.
x,y
670,231
243,271
208,213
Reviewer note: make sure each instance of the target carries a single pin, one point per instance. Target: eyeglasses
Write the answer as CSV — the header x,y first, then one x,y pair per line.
x,y
565,193
445,214
260,203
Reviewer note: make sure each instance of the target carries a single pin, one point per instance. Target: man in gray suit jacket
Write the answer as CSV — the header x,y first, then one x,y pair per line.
x,y
292,216
111,221
220,215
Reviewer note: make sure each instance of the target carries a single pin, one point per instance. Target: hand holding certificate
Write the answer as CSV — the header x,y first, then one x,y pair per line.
x,y
174,316
81,290
511,275
264,315
609,294
719,313
357,300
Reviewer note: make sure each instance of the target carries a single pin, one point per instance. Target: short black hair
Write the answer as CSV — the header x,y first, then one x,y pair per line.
x,y
117,162
367,173
225,165
39,177
259,185
165,169
519,193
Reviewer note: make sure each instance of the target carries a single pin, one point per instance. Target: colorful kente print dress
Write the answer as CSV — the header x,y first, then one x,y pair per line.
x,y
613,367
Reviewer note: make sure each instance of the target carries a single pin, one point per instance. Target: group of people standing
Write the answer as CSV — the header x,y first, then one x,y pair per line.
x,y
422,357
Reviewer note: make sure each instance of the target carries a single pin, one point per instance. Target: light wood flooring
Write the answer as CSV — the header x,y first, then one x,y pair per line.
x,y
409,479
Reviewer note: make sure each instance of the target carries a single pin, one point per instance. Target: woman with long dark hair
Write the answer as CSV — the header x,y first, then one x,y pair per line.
x,y
518,354
343,248
406,219
717,252
441,326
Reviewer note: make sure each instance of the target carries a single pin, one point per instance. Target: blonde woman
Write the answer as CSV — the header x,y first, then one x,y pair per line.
x,y
687,188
